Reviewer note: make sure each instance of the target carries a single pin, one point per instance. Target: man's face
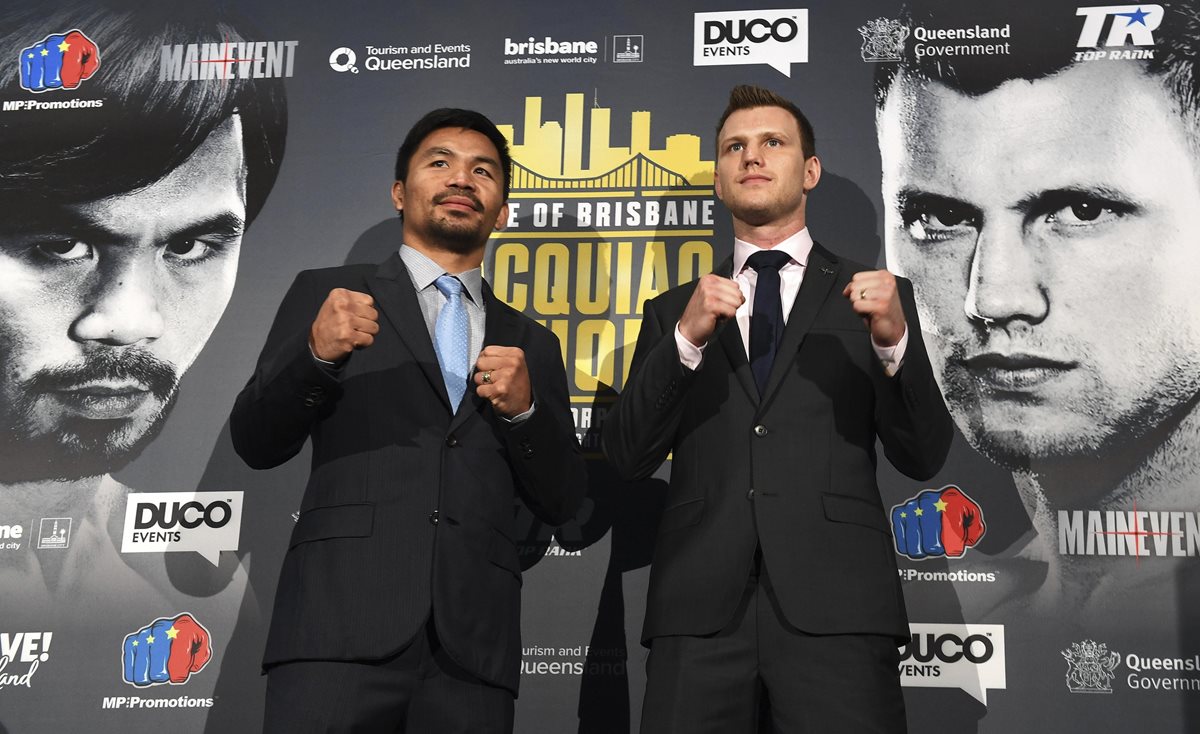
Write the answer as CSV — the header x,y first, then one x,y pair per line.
x,y
762,176
454,194
1049,228
105,304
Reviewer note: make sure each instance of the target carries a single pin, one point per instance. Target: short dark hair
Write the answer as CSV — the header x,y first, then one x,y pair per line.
x,y
454,117
145,128
748,96
1042,44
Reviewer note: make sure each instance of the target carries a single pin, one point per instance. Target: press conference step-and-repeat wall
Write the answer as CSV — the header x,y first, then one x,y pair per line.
x,y
1033,168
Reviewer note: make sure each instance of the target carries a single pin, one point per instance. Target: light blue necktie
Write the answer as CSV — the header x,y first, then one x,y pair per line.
x,y
451,338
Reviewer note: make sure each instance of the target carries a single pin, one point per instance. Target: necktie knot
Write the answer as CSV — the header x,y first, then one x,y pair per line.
x,y
768,260
449,286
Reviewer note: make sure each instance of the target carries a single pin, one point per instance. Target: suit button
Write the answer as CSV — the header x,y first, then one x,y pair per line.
x,y
750,494
433,518
451,440
760,430
309,402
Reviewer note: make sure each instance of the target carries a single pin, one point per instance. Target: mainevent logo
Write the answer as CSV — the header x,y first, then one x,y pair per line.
x,y
227,60
1138,533
594,230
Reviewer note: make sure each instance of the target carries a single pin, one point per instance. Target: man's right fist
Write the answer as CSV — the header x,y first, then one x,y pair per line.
x,y
714,300
937,522
59,61
347,321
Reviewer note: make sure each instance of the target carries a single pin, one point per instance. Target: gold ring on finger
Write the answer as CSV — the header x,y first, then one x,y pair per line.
x,y
487,377
862,295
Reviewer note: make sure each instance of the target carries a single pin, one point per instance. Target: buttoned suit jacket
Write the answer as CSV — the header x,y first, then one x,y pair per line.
x,y
793,472
409,507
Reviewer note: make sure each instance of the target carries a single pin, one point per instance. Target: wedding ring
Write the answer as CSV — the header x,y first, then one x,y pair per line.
x,y
487,377
862,295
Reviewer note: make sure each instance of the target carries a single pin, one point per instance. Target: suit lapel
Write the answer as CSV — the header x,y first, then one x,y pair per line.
x,y
731,342
392,288
503,327
820,274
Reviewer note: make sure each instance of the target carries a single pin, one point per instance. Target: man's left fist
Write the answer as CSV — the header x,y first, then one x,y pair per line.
x,y
502,378
873,295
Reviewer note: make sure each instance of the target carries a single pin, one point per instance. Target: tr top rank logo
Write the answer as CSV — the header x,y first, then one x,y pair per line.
x,y
58,61
1128,25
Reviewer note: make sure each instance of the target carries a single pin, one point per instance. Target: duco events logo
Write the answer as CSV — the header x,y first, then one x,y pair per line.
x,y
163,522
58,61
587,244
965,656
777,38
937,523
20,655
168,650
402,58
189,62
1127,25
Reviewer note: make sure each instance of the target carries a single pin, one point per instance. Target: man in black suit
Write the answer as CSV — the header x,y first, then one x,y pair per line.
x,y
774,583
398,605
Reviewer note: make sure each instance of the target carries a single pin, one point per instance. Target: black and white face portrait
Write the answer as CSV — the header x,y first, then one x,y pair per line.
x,y
1049,229
105,305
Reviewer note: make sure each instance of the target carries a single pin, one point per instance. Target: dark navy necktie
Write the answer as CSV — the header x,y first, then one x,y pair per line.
x,y
766,322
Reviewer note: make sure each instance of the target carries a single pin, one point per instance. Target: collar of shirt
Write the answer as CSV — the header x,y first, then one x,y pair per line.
x,y
798,246
424,271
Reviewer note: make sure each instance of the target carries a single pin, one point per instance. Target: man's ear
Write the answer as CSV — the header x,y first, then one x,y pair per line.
x,y
502,219
717,183
812,172
398,196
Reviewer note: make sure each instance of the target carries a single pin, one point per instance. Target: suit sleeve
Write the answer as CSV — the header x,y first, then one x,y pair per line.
x,y
546,458
910,415
288,391
639,431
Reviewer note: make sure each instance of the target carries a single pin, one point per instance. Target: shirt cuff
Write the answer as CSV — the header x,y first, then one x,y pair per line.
x,y
522,417
324,363
892,358
690,355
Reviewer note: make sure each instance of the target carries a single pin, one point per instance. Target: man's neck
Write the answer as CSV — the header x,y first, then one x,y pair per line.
x,y
451,261
770,234
70,498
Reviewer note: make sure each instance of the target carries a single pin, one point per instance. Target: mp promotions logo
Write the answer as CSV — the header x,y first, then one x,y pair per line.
x,y
168,650
883,40
1126,25
777,38
58,61
937,523
1091,667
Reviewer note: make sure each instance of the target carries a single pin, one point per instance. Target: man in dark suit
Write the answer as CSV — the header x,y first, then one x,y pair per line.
x,y
398,605
774,583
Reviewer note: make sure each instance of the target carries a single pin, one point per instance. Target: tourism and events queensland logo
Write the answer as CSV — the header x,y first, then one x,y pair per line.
x,y
58,61
596,227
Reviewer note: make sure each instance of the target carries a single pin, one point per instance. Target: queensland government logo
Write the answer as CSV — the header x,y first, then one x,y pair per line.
x,y
58,61
1091,667
1127,25
937,523
883,40
594,230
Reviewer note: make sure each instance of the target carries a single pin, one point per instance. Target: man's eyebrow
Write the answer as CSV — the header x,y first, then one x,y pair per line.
x,y
69,222
441,150
1053,199
912,198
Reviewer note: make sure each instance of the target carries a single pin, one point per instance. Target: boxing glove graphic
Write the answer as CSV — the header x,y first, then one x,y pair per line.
x,y
60,61
937,522
169,649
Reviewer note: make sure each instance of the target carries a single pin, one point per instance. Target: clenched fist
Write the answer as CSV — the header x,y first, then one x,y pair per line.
x,y
714,300
873,295
502,379
347,321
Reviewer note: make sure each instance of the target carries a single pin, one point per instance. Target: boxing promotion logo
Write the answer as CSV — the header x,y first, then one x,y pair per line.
x,y
937,523
59,61
168,650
